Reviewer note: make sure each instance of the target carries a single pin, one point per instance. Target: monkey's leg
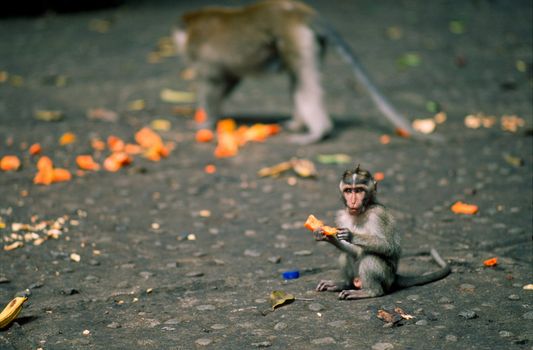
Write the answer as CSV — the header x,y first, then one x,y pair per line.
x,y
349,268
211,92
375,274
309,105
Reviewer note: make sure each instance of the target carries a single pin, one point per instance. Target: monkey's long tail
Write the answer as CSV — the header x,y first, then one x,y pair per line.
x,y
409,281
364,79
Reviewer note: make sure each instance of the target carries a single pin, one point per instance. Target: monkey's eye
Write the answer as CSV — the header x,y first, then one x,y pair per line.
x,y
359,190
349,190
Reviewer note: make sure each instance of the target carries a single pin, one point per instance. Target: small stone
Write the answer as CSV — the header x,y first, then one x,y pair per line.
x,y
382,346
280,326
86,332
316,307
4,279
275,259
194,274
205,307
252,253
94,262
250,233
448,306
432,316
114,325
264,344
218,326
69,291
513,297
444,300
323,341
505,334
528,315
203,341
451,338
172,265
413,297
303,253
172,321
146,274
468,314
421,323
36,285
465,287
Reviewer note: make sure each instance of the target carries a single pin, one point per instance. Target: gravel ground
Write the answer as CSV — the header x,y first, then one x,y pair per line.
x,y
173,258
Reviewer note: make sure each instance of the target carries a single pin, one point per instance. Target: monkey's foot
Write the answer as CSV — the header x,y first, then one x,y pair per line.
x,y
305,139
327,286
293,125
357,294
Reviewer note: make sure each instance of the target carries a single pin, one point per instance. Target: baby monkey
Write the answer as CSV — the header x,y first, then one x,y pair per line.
x,y
370,244
225,45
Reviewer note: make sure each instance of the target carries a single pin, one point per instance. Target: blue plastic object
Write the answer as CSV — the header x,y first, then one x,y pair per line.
x,y
290,275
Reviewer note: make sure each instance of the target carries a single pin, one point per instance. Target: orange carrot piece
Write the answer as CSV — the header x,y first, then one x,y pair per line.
x,y
45,163
97,145
210,169
312,224
44,176
204,135
115,143
226,126
61,175
490,262
35,149
463,208
147,138
131,148
67,138
402,132
379,176
86,162
200,116
10,163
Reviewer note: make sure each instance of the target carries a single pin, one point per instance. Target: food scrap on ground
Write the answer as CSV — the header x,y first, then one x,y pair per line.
x,y
67,138
424,126
9,163
302,167
35,149
463,208
231,138
36,232
173,96
490,262
313,224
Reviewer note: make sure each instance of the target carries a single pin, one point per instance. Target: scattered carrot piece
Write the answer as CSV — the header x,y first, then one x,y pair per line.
x,y
86,162
115,143
67,138
227,145
61,175
379,176
384,139
402,132
116,161
312,224
226,125
204,135
490,262
10,163
35,149
97,145
131,148
463,208
200,116
147,138
45,174
45,163
210,169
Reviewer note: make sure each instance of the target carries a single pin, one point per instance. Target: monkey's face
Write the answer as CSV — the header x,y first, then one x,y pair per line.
x,y
354,197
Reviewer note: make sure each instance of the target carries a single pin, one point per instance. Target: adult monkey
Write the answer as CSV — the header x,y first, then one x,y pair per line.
x,y
368,239
226,44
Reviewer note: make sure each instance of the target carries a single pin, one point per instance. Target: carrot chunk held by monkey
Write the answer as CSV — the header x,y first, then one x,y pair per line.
x,y
314,224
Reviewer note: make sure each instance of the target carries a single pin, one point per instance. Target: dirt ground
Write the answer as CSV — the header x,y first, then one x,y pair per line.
x,y
161,255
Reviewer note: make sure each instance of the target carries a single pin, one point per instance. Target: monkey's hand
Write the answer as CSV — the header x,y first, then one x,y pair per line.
x,y
344,234
319,235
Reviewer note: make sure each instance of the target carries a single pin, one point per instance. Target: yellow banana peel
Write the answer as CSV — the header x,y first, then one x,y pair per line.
x,y
11,311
